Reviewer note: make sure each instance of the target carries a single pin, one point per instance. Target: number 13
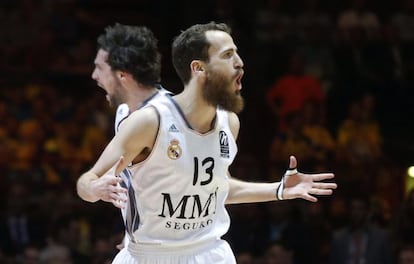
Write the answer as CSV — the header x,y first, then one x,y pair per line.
x,y
208,163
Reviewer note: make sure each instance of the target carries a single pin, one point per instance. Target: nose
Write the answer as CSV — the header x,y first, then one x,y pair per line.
x,y
238,61
94,74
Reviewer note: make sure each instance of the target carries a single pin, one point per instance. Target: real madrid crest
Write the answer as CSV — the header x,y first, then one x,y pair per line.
x,y
174,150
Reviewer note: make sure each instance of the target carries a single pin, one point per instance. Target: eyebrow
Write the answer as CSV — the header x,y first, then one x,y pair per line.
x,y
232,49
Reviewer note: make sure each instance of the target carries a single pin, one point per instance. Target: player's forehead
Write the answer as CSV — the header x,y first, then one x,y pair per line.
x,y
101,57
220,41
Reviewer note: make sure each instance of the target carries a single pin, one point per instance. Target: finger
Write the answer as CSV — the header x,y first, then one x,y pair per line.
x,y
320,191
292,162
322,176
114,181
309,198
118,179
118,197
324,185
119,204
120,189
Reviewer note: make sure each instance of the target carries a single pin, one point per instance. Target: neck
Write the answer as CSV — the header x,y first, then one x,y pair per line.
x,y
199,114
137,96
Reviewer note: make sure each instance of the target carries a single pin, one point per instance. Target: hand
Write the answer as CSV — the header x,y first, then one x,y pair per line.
x,y
108,188
301,185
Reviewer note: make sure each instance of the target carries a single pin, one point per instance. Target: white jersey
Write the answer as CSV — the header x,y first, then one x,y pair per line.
x,y
181,188
129,215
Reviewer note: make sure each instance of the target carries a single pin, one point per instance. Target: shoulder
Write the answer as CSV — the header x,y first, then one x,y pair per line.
x,y
234,123
141,119
233,119
122,112
144,115
142,124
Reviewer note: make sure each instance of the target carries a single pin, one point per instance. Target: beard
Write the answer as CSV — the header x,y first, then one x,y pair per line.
x,y
217,92
111,100
115,98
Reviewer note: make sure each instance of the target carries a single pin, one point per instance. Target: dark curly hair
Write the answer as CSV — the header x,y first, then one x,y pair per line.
x,y
132,49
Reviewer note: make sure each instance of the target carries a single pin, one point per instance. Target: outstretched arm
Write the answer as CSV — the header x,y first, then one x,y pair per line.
x,y
293,185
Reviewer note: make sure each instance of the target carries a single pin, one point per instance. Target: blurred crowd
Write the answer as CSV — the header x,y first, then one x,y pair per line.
x,y
327,81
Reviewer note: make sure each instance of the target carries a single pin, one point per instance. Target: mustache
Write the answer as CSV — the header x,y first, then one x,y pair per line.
x,y
239,72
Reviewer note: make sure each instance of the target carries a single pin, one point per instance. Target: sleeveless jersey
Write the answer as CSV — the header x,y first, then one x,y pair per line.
x,y
181,188
129,214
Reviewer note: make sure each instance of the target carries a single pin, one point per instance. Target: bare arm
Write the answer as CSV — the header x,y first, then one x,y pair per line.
x,y
123,148
250,192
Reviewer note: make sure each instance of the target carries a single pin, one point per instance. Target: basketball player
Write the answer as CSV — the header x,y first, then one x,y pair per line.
x,y
127,67
181,147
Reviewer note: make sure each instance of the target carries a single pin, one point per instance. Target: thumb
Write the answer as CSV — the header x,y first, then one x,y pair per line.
x,y
119,166
292,162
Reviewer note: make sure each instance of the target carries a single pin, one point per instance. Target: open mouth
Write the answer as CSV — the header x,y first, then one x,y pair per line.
x,y
239,78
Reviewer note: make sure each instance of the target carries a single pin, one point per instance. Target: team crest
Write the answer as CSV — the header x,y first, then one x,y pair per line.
x,y
174,150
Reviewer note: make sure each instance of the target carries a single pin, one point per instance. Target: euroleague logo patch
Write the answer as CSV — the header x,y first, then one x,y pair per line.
x,y
224,145
174,150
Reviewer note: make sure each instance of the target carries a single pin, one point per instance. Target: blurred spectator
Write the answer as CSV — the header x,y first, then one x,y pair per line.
x,y
314,128
360,241
305,135
273,23
359,17
245,258
403,21
406,255
65,232
312,15
320,227
359,136
315,30
298,236
102,251
19,225
289,93
278,220
277,253
249,231
337,212
403,222
6,139
357,27
272,32
224,11
56,254
31,255
292,140
394,54
28,143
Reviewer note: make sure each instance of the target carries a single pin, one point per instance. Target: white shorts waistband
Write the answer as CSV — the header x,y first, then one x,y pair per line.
x,y
141,249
